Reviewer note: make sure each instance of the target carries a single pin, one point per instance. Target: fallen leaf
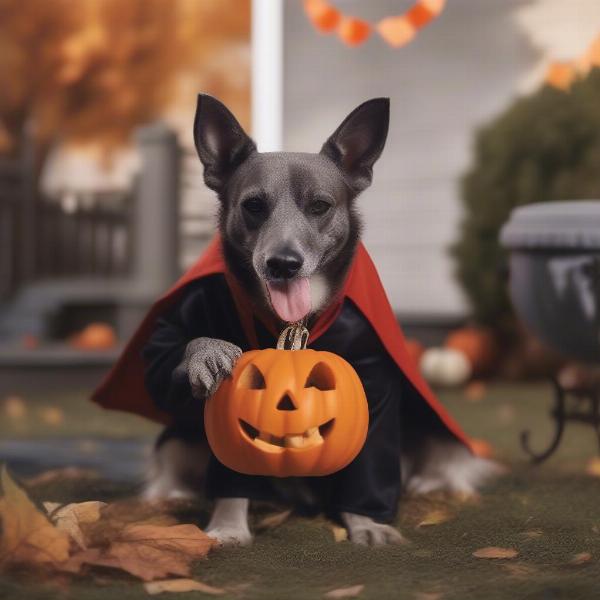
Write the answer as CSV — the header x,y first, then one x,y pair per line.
x,y
475,391
593,466
435,517
581,558
15,407
91,556
532,534
274,520
118,515
52,415
481,448
28,537
153,552
71,517
519,570
347,592
340,534
181,585
495,552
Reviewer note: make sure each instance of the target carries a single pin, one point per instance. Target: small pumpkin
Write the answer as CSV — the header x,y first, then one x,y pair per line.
x,y
287,412
445,367
478,344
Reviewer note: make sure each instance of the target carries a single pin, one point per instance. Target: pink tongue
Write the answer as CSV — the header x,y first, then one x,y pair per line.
x,y
290,299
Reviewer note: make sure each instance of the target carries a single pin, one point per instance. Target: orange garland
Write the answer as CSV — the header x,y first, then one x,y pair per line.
x,y
396,30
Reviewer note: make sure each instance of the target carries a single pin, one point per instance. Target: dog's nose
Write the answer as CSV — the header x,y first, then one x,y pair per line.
x,y
284,265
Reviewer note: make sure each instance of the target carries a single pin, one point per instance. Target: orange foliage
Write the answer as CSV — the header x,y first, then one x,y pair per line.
x,y
562,75
96,69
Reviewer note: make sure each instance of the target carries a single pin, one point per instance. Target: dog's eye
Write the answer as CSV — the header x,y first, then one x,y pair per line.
x,y
319,207
254,206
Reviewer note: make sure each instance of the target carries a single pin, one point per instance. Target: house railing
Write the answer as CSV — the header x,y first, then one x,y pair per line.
x,y
93,234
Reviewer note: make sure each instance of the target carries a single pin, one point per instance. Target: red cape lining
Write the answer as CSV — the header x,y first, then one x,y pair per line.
x,y
123,388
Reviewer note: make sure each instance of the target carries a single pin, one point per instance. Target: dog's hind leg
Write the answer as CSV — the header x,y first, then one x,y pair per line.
x,y
177,469
229,522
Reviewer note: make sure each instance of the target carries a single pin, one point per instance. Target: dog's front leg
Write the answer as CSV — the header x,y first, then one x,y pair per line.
x,y
229,522
363,530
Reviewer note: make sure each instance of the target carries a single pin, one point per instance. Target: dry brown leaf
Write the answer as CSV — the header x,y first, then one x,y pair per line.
x,y
532,534
181,585
581,558
347,592
593,467
152,552
519,570
274,520
148,552
435,517
91,556
52,415
340,534
71,517
28,537
495,552
15,407
118,515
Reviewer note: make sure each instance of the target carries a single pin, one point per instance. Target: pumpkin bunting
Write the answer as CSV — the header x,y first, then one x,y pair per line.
x,y
288,411
396,30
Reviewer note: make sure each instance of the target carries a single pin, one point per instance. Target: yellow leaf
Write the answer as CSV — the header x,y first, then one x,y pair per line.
x,y
181,585
495,552
27,534
340,534
593,466
435,517
347,592
71,517
274,520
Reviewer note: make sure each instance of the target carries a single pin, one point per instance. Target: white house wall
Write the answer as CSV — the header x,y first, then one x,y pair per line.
x,y
460,71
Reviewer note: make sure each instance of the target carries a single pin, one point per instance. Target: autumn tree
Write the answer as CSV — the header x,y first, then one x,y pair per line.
x,y
83,70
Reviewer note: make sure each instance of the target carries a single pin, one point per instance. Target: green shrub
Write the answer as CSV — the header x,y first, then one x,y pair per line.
x,y
545,147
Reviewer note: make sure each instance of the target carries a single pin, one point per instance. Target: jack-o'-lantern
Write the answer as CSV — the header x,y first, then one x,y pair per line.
x,y
288,412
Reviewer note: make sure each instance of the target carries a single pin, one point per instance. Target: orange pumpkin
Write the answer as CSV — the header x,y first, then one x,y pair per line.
x,y
288,413
478,344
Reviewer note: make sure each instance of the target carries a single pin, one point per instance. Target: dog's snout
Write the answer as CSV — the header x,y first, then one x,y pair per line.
x,y
284,265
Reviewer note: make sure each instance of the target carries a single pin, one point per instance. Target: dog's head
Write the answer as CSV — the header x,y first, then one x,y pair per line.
x,y
287,219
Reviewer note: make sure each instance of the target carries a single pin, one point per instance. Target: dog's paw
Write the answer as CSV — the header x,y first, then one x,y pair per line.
x,y
231,535
363,530
207,362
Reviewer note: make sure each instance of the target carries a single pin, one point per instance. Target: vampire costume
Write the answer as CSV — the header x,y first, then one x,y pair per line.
x,y
358,325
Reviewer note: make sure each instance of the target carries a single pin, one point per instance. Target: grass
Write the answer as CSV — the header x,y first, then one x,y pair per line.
x,y
549,514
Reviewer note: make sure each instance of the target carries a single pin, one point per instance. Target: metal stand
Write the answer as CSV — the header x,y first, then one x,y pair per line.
x,y
585,409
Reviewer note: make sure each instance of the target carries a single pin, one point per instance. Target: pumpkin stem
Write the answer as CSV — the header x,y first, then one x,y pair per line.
x,y
293,337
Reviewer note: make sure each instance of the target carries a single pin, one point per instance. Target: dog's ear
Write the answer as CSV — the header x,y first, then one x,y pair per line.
x,y
358,142
221,143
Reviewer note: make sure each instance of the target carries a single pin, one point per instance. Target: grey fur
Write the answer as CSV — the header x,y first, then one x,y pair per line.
x,y
207,361
288,185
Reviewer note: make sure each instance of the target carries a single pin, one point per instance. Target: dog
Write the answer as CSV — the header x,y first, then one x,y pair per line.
x,y
290,231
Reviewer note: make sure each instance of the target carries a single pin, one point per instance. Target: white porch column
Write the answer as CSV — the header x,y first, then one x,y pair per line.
x,y
267,74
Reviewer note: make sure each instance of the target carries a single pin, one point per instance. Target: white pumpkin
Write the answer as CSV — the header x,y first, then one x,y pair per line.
x,y
445,367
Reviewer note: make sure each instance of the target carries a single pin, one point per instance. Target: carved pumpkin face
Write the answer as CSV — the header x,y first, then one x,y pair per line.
x,y
288,413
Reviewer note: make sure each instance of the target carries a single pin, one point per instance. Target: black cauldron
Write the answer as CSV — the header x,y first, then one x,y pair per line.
x,y
555,288
555,274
